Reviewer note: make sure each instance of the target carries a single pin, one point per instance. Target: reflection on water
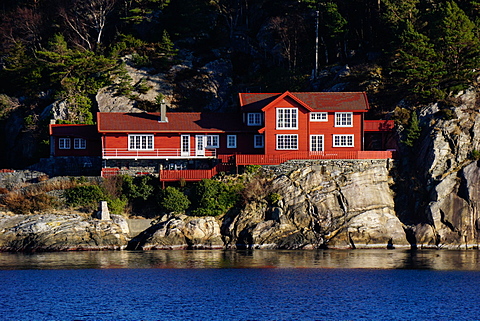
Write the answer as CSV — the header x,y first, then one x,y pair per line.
x,y
367,259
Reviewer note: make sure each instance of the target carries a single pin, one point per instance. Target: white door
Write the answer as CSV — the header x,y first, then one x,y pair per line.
x,y
185,145
200,141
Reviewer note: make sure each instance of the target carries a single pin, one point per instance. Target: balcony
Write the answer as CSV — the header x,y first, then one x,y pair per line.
x,y
158,153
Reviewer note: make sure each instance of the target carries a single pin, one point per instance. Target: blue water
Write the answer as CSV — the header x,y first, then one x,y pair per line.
x,y
242,289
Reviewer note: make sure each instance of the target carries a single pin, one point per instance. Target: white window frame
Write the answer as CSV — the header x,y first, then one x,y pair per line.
x,y
64,143
140,142
343,141
79,143
319,116
315,141
344,119
254,119
185,145
231,141
258,141
287,141
287,118
213,141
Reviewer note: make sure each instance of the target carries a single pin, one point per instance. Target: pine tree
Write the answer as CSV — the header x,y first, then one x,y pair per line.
x,y
417,66
459,46
413,131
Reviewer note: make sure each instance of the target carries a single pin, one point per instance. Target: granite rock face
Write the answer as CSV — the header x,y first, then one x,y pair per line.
x,y
50,232
334,204
180,232
448,174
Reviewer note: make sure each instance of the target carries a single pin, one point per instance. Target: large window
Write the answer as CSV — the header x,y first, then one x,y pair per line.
x,y
287,118
140,142
258,141
79,143
212,141
64,143
343,141
316,143
287,141
317,116
343,119
254,119
231,141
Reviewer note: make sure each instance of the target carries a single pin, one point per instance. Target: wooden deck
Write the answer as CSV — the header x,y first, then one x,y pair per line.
x,y
279,159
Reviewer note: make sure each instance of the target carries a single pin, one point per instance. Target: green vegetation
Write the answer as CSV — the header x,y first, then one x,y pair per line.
x,y
413,130
213,198
173,200
475,154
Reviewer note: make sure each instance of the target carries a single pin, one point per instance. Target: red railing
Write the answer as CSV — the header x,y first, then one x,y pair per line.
x,y
108,172
378,125
278,159
187,174
159,153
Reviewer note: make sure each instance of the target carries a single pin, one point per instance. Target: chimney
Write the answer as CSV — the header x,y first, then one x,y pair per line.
x,y
163,112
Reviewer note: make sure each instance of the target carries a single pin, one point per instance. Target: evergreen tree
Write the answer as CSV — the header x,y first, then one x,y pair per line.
x,y
459,45
417,66
413,131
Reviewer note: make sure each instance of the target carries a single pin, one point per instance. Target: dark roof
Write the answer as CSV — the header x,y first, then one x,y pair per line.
x,y
321,101
74,130
177,122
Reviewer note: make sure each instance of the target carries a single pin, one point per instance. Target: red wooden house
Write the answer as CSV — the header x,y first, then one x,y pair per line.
x,y
268,129
74,140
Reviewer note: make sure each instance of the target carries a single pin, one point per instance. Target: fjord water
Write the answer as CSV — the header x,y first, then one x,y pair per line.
x,y
241,285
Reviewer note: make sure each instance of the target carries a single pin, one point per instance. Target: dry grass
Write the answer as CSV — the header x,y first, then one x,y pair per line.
x,y
22,204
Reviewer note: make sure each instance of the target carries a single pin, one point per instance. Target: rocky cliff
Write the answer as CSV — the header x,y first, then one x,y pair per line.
x,y
319,204
438,181
50,232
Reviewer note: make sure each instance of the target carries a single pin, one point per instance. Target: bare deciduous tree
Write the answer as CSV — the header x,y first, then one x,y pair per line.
x,y
87,20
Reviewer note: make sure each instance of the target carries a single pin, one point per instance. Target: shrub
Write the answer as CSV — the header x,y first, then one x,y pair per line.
x,y
252,168
21,204
138,188
213,198
173,200
87,196
475,154
274,198
117,205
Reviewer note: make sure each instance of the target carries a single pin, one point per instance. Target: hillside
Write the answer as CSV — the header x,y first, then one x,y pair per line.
x,y
197,55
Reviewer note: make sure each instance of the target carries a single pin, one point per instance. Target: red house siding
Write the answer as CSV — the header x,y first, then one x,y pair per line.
x,y
70,132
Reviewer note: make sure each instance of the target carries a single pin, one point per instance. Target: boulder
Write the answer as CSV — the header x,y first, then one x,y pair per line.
x,y
66,232
335,204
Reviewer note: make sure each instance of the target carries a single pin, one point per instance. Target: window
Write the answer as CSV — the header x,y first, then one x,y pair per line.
x,y
318,116
258,141
212,141
64,143
140,142
79,143
254,119
343,119
287,141
231,141
287,118
342,140
316,143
